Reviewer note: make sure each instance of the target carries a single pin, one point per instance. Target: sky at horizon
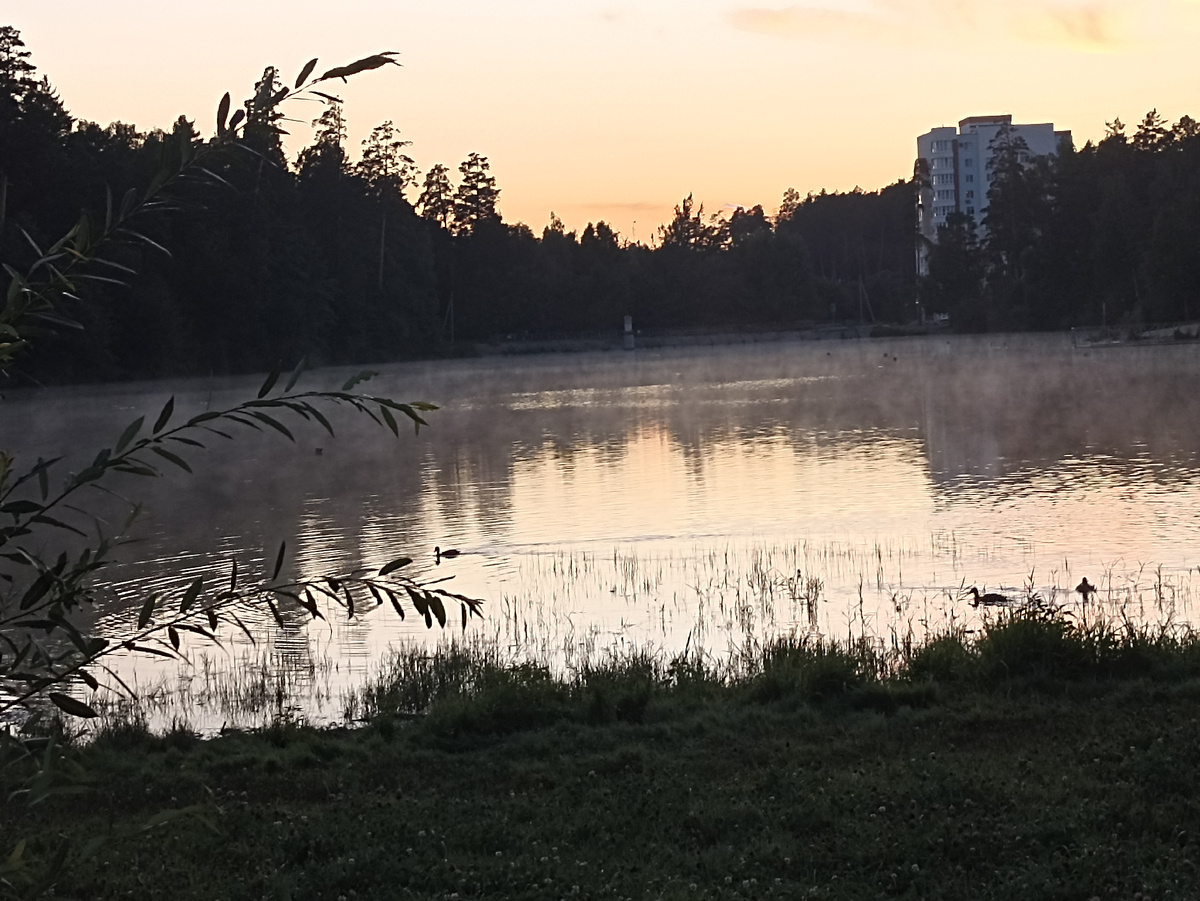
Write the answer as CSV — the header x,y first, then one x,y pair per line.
x,y
604,109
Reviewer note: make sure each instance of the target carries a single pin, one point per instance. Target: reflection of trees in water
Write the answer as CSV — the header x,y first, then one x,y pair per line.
x,y
997,408
1020,412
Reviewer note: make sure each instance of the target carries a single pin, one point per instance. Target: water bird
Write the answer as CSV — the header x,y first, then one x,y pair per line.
x,y
449,554
1086,589
991,599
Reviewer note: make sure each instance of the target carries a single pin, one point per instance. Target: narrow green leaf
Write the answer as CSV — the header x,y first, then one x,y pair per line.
x,y
273,423
222,114
233,576
173,634
396,603
236,119
275,612
147,612
137,470
243,420
212,176
295,376
361,65
58,524
309,603
189,596
272,378
129,434
145,240
147,649
391,567
390,420
438,608
89,680
279,560
37,590
165,416
127,202
418,601
174,458
241,625
43,479
320,417
71,706
412,414
306,71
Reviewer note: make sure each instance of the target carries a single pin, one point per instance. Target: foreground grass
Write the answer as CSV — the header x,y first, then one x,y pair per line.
x,y
813,774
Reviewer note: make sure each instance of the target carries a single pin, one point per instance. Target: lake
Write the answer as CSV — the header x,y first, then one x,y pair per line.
x,y
701,498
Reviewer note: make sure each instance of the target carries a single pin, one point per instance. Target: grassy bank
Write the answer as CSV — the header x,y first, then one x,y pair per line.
x,y
1039,760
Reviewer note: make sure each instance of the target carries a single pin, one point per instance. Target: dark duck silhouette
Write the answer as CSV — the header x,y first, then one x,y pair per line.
x,y
1086,589
449,554
990,599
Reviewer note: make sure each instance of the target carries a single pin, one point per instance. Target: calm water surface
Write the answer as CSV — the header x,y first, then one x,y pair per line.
x,y
700,497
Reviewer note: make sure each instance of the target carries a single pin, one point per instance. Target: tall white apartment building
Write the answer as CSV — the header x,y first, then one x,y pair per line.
x,y
953,174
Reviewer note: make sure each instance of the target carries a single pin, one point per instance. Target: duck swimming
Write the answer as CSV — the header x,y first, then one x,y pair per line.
x,y
1086,589
988,600
449,554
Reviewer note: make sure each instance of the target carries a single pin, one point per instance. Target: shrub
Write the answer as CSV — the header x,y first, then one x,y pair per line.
x,y
946,658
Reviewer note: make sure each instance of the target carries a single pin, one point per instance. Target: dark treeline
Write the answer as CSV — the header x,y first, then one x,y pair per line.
x,y
370,260
1106,234
329,258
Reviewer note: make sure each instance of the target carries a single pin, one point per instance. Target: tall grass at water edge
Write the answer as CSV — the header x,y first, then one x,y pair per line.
x,y
475,687
756,632
469,690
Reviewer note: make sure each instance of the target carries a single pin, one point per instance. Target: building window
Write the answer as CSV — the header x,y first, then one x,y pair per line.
x,y
970,195
970,211
970,178
969,162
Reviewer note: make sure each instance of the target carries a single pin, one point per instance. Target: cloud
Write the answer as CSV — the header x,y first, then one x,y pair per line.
x,y
1095,25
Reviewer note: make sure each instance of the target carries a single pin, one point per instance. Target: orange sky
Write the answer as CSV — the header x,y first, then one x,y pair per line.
x,y
616,110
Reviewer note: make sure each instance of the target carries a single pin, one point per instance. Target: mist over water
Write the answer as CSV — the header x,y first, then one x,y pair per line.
x,y
700,497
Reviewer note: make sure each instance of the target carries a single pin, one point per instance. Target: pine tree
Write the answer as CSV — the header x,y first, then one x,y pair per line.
x,y
475,199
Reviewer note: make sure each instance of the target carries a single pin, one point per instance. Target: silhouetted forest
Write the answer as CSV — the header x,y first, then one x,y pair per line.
x,y
346,260
354,260
1106,234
